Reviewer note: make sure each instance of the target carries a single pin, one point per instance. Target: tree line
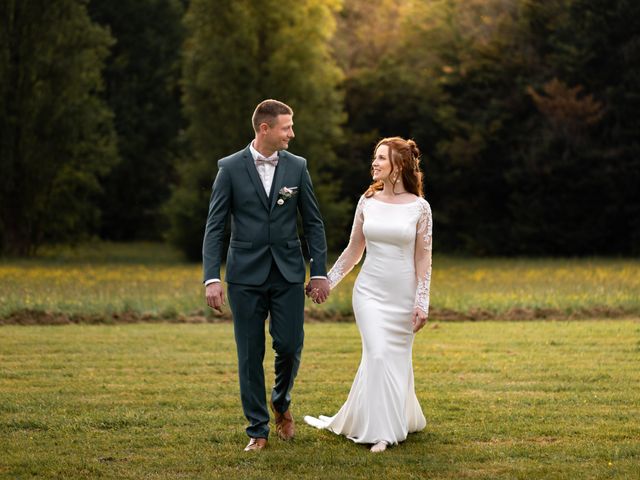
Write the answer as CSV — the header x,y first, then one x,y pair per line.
x,y
113,114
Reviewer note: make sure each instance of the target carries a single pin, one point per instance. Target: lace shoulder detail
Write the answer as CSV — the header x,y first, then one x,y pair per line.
x,y
425,223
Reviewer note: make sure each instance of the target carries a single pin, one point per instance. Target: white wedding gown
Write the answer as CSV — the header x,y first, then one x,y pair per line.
x,y
395,278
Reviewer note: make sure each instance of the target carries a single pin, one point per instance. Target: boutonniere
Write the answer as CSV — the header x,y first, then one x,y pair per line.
x,y
285,194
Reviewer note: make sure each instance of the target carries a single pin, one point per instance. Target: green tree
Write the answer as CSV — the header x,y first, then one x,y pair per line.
x,y
56,134
574,180
526,111
606,40
377,102
432,79
141,87
238,53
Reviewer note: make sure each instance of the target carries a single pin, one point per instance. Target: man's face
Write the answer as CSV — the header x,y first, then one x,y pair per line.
x,y
281,133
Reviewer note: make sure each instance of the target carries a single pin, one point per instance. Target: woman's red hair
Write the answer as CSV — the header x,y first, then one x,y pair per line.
x,y
405,156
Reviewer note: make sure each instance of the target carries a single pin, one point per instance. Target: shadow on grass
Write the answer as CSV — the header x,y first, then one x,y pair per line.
x,y
39,317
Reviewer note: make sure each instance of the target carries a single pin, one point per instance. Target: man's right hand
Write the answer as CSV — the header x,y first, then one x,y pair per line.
x,y
215,295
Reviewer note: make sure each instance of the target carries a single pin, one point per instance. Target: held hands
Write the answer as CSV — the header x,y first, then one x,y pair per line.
x,y
419,319
215,296
318,290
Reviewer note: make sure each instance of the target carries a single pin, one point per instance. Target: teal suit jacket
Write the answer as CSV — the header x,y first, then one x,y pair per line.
x,y
261,230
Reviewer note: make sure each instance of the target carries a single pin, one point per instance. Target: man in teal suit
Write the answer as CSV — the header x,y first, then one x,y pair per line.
x,y
262,188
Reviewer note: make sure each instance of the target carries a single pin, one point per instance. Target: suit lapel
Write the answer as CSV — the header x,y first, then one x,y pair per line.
x,y
277,180
255,178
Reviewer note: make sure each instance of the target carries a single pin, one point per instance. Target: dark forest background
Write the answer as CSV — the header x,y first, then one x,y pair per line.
x,y
113,114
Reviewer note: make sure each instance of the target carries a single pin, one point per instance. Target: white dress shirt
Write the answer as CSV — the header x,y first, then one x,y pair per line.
x,y
266,171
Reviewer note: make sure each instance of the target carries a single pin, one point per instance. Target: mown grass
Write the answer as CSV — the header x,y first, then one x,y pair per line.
x,y
514,400
147,279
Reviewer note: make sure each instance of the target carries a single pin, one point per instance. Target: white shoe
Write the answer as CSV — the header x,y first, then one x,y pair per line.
x,y
379,447
314,422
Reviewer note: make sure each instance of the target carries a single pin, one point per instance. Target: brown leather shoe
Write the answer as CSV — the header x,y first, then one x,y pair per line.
x,y
256,444
285,426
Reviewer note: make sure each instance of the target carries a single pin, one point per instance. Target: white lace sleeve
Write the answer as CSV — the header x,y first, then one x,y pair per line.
x,y
353,253
424,230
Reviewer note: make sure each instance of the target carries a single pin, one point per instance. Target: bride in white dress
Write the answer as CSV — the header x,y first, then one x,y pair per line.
x,y
393,223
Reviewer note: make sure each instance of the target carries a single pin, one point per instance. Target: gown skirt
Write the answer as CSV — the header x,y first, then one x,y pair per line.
x,y
382,404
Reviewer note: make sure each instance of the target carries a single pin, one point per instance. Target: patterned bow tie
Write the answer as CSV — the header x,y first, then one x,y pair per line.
x,y
267,161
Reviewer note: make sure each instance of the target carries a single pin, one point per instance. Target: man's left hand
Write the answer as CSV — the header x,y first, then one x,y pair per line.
x,y
318,289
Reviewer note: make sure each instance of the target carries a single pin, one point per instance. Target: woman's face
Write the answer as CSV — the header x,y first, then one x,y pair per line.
x,y
381,165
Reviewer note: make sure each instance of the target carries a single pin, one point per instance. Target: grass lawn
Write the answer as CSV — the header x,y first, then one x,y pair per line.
x,y
503,400
107,280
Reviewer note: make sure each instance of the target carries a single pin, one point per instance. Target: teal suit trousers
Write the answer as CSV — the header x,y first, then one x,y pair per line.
x,y
284,303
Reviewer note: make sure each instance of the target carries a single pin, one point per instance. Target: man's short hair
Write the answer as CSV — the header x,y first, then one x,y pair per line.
x,y
267,112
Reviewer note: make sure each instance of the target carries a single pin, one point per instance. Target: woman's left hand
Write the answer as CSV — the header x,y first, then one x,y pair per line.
x,y
419,319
